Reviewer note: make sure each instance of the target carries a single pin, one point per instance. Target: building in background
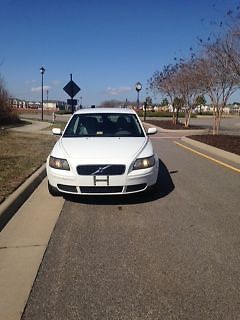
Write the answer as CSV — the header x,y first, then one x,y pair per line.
x,y
53,105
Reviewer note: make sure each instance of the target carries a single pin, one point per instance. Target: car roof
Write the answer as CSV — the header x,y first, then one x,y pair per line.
x,y
105,110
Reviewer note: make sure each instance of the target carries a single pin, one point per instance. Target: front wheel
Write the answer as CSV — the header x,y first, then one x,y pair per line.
x,y
53,191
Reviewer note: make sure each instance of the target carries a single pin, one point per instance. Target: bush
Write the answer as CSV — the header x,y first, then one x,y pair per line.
x,y
7,114
163,114
8,117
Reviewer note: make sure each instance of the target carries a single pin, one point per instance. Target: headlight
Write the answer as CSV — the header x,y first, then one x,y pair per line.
x,y
57,163
144,163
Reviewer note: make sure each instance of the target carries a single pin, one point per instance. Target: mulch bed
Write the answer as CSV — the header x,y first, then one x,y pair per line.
x,y
225,142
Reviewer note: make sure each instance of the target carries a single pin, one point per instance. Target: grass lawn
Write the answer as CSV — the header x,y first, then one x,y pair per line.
x,y
20,155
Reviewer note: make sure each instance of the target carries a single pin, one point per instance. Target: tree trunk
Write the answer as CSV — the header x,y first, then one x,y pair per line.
x,y
214,124
174,119
187,118
217,121
177,115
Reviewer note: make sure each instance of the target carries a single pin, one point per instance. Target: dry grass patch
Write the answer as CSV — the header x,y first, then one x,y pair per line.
x,y
20,155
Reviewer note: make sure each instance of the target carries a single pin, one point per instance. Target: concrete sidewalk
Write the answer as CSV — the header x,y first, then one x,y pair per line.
x,y
23,242
35,126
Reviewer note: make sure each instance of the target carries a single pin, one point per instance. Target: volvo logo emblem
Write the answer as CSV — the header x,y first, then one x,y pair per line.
x,y
100,170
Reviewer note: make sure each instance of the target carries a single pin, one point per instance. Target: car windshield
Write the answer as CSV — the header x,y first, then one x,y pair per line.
x,y
104,125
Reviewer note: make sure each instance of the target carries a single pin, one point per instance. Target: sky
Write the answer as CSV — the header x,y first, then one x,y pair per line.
x,y
106,45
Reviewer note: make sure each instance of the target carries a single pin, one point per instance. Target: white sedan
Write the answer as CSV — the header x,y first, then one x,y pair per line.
x,y
102,151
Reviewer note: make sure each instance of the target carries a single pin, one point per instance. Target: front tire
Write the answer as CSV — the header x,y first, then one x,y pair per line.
x,y
53,191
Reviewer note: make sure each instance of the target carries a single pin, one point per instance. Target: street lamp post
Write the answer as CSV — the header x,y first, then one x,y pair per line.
x,y
145,110
147,102
81,102
42,70
138,89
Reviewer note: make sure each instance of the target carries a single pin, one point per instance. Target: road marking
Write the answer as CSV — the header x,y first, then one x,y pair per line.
x,y
208,157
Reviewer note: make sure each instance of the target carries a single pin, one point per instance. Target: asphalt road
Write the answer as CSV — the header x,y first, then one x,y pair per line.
x,y
170,255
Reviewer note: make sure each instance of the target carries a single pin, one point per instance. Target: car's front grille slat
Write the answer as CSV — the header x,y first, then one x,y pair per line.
x,y
101,169
107,189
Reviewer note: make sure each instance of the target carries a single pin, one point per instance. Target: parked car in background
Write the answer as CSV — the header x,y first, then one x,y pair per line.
x,y
102,151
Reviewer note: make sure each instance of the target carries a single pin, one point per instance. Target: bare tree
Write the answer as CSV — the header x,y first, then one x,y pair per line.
x,y
164,82
188,87
231,44
231,48
218,77
180,84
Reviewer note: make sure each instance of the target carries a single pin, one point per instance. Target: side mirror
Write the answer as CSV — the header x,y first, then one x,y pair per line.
x,y
57,131
151,131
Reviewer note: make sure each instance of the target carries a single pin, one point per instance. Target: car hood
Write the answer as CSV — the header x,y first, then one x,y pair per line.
x,y
114,150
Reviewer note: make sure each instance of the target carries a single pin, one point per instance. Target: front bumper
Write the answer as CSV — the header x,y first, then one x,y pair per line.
x,y
72,183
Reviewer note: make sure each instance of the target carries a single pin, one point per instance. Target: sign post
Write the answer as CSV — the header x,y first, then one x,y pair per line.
x,y
71,88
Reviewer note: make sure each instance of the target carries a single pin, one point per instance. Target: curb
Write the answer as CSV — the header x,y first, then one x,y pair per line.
x,y
14,201
216,151
188,132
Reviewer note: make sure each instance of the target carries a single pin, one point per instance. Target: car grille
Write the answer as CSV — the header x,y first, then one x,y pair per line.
x,y
101,169
101,189
114,189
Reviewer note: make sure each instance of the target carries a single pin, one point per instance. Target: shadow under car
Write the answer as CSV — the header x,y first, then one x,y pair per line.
x,y
163,187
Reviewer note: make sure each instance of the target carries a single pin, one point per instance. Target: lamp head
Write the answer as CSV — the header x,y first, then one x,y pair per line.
x,y
42,70
138,86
